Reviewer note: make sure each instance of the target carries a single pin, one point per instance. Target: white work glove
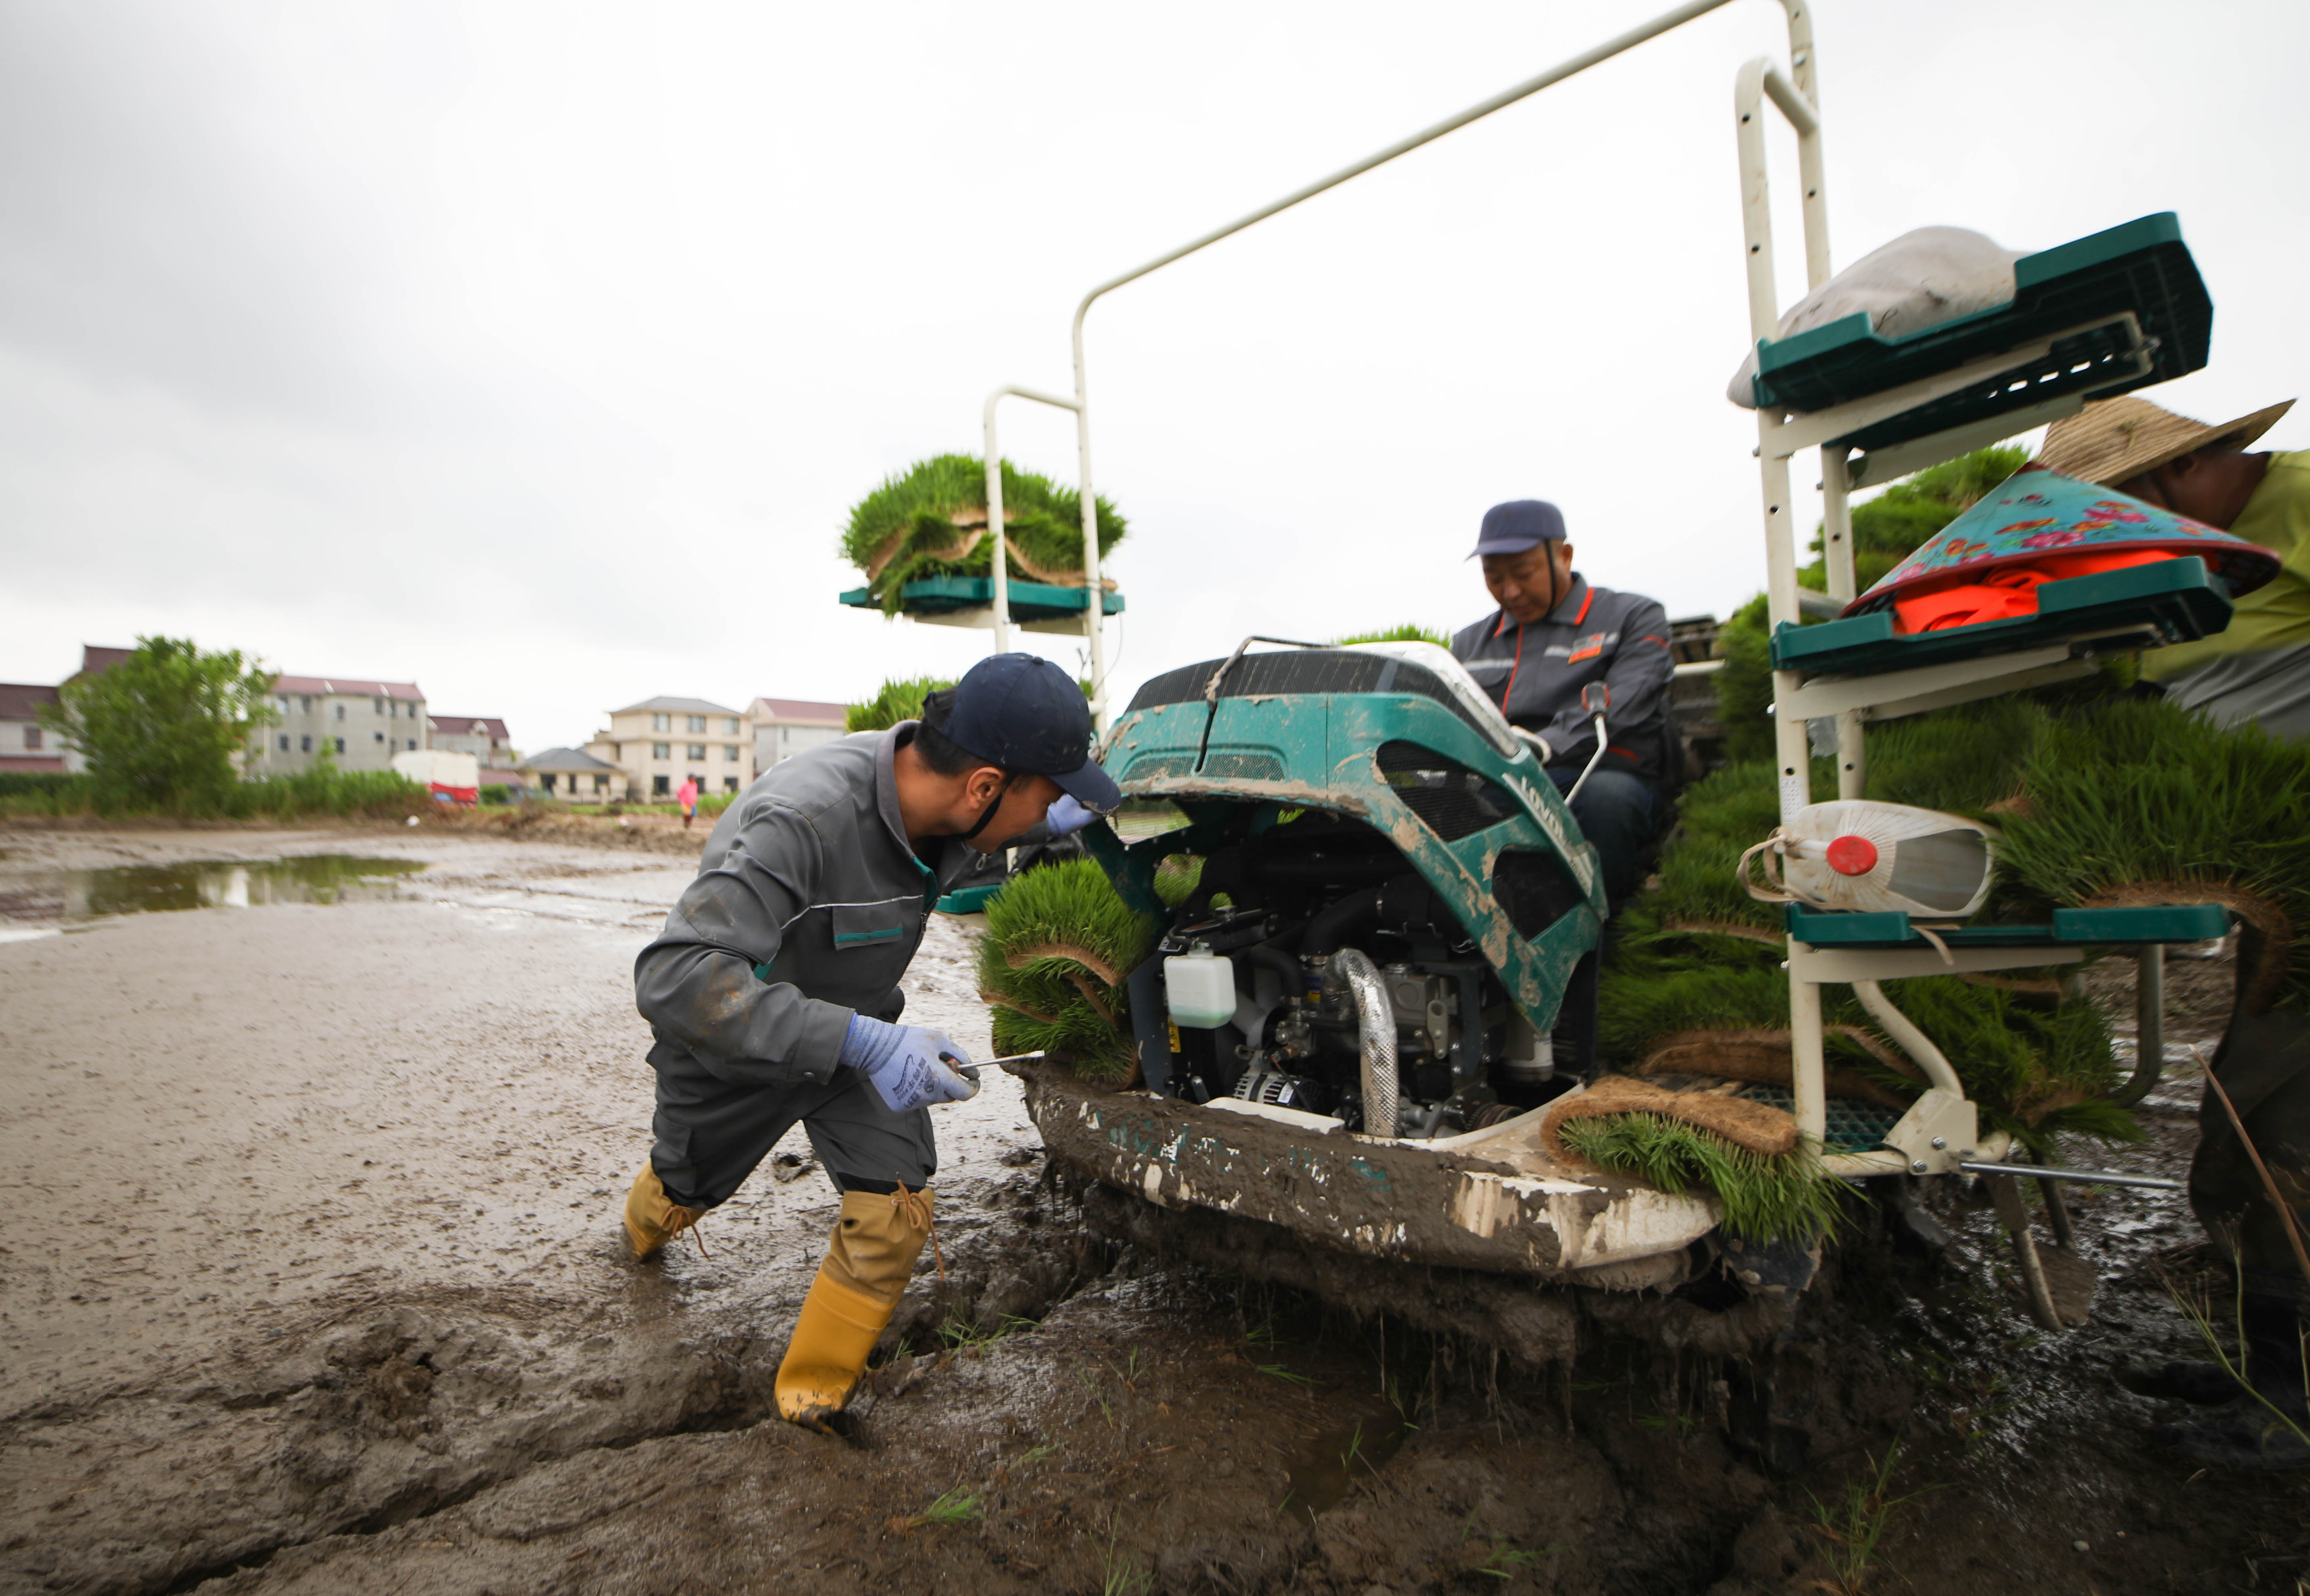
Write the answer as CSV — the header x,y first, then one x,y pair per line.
x,y
1065,816
910,1065
1536,742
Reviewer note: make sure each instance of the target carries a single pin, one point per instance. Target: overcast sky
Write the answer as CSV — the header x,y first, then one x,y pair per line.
x,y
536,353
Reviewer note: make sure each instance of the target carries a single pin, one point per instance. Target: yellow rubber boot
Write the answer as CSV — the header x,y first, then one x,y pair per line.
x,y
864,1274
652,1217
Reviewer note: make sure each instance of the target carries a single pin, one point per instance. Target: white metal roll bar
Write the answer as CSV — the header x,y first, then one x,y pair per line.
x,y
1092,597
1801,53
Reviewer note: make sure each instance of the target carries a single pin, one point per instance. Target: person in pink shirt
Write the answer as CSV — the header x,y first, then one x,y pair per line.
x,y
686,796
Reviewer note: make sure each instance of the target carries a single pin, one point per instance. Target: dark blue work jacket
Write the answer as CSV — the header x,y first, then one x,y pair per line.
x,y
1534,672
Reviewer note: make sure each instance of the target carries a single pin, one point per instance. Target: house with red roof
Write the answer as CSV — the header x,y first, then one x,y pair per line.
x,y
25,744
785,727
483,736
361,723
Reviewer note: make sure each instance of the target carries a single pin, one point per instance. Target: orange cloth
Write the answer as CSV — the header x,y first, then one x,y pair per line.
x,y
2006,593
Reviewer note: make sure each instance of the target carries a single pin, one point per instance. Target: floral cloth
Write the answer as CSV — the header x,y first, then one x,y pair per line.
x,y
2035,512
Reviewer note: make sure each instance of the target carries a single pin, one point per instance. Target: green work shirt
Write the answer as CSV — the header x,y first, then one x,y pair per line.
x,y
2276,615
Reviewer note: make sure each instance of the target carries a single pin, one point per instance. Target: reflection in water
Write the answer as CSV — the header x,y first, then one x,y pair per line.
x,y
315,878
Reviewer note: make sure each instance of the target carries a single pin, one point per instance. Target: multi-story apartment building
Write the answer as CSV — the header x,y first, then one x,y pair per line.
x,y
362,724
660,741
483,736
785,727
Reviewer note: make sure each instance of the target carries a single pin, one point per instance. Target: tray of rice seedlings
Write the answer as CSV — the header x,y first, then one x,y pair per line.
x,y
1059,945
931,521
901,698
2099,800
1767,1194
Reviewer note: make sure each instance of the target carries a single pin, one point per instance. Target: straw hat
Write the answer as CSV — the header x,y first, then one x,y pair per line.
x,y
2115,440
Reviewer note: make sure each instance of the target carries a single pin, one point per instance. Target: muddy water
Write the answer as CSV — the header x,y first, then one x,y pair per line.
x,y
202,884
313,1284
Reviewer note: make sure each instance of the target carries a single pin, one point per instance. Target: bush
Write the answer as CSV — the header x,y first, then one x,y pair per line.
x,y
22,783
325,790
496,793
322,790
45,794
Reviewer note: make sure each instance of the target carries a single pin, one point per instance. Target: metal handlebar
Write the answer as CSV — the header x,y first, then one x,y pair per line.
x,y
1596,698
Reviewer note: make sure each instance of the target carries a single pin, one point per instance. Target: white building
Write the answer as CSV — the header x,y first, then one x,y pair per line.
x,y
573,775
483,736
362,724
659,742
25,744
785,727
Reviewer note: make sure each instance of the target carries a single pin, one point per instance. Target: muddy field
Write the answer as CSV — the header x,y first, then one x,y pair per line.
x,y
311,1282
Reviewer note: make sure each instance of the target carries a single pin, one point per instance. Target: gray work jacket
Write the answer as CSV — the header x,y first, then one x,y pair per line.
x,y
1535,673
808,906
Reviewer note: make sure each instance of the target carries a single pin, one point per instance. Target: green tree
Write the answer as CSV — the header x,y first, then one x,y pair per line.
x,y
161,729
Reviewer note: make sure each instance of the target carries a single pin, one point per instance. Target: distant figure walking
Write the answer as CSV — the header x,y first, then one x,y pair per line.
x,y
686,796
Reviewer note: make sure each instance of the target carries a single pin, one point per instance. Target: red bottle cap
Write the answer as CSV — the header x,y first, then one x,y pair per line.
x,y
1852,856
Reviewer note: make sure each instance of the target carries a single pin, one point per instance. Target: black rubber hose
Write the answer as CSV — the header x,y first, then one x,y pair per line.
x,y
1343,918
1293,972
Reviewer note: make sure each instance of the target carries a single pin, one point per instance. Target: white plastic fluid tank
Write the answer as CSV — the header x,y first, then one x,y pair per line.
x,y
1200,987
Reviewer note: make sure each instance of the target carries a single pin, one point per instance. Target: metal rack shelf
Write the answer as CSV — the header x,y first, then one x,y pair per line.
x,y
2140,269
2132,926
2099,317
969,601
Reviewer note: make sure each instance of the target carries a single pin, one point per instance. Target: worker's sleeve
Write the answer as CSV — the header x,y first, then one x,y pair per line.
x,y
1638,677
696,983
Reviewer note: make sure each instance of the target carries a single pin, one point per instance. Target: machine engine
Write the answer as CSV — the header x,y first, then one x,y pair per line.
x,y
1311,949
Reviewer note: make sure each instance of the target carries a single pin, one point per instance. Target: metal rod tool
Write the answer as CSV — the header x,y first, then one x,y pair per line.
x,y
971,1072
2098,1177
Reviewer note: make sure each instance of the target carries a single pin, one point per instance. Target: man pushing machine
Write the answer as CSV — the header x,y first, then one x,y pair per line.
x,y
773,991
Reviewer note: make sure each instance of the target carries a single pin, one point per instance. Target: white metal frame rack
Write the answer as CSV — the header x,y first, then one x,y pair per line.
x,y
1940,1131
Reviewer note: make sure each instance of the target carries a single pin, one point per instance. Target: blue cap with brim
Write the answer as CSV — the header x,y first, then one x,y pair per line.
x,y
1019,712
1519,525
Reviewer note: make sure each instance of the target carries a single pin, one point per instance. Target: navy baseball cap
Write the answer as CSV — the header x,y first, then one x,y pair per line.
x,y
1519,525
1020,712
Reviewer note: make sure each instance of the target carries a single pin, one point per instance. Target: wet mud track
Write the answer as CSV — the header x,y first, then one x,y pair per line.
x,y
312,1285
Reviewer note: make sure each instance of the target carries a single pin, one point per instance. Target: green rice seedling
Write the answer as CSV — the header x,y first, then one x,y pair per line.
x,y
953,1508
1764,1198
917,526
962,1335
2090,798
1060,943
901,698
1854,1525
1121,1573
2199,1311
1176,877
2140,792
1397,634
1506,1561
